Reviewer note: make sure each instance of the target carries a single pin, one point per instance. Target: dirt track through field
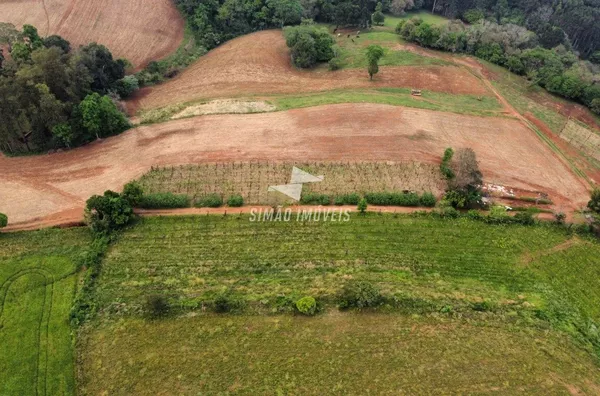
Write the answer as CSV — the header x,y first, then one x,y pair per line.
x,y
33,188
259,63
138,30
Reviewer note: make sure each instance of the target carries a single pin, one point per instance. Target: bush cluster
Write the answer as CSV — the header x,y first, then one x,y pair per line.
x,y
315,199
164,201
157,306
359,294
235,201
3,220
347,199
227,302
392,199
309,45
209,201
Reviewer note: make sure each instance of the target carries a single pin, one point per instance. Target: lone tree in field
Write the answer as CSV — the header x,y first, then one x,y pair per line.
x,y
374,53
378,17
3,220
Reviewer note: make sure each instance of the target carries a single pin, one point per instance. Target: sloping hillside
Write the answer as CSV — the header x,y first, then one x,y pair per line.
x,y
138,30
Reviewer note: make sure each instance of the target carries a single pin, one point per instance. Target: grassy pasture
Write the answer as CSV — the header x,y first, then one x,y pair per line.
x,y
351,51
430,100
392,21
437,343
438,101
329,354
37,284
252,180
427,263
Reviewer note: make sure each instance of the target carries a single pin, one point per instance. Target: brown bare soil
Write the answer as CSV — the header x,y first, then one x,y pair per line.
x,y
510,154
138,30
259,63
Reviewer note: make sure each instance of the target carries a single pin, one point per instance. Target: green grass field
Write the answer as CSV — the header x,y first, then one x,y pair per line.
x,y
424,263
345,354
392,21
37,284
430,100
351,51
433,336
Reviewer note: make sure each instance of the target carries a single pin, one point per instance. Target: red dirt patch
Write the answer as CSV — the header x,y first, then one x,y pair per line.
x,y
510,154
259,63
138,30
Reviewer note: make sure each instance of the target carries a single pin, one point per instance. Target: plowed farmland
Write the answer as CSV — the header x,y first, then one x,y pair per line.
x,y
509,153
138,30
259,63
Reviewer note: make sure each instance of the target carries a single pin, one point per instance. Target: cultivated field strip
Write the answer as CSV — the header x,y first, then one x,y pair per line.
x,y
196,257
252,179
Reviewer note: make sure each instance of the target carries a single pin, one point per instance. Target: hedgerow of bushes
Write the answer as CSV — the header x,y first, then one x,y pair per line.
x,y
164,201
378,199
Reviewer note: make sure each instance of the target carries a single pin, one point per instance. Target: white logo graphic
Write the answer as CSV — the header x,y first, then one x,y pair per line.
x,y
294,189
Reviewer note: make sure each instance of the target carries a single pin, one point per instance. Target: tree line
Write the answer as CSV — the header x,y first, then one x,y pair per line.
x,y
53,96
576,22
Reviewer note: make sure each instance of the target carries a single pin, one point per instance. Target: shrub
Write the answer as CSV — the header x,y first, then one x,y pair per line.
x,y
157,306
307,305
127,86
445,165
399,26
473,15
347,199
450,212
359,294
133,193
483,306
3,220
362,206
428,200
335,64
525,218
164,201
315,199
108,212
210,201
226,302
235,201
594,203
560,217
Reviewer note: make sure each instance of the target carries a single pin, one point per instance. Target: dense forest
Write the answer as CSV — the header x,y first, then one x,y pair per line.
x,y
53,96
577,21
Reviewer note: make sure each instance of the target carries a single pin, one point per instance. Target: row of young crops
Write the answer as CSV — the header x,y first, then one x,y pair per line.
x,y
251,180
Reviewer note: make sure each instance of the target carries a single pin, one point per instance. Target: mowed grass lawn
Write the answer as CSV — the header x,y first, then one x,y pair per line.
x,y
37,284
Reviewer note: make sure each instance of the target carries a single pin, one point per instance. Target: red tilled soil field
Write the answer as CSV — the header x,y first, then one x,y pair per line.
x,y
259,63
33,188
138,30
